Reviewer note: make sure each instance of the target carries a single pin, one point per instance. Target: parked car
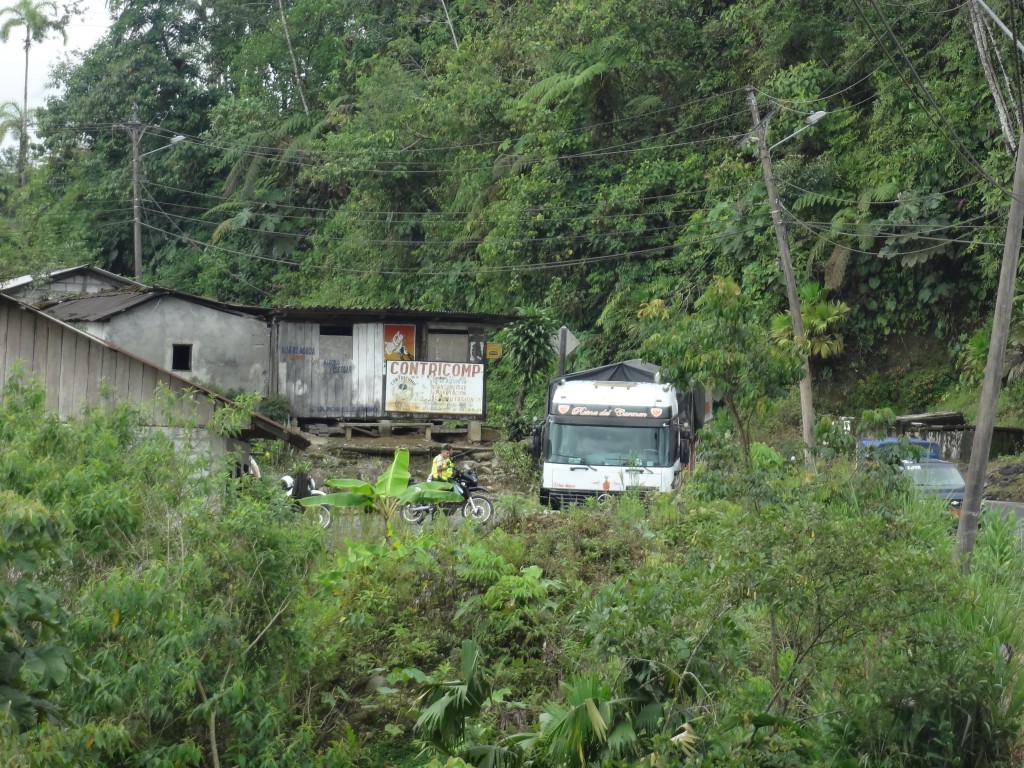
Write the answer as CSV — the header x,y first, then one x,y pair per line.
x,y
937,478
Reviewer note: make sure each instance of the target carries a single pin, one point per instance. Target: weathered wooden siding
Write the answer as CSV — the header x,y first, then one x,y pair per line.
x,y
368,357
296,350
78,370
330,376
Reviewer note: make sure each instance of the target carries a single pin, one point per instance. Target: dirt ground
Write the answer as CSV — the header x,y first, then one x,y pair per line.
x,y
1004,480
366,458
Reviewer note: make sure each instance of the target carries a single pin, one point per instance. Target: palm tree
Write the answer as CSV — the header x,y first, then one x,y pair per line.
x,y
822,319
36,17
10,119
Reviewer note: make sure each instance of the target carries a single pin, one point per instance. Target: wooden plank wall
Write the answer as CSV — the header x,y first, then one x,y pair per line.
x,y
78,370
332,388
295,352
368,358
319,383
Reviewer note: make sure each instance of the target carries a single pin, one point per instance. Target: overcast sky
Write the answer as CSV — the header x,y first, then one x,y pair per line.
x,y
82,32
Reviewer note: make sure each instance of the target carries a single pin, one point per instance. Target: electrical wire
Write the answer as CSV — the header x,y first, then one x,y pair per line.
x,y
660,251
928,103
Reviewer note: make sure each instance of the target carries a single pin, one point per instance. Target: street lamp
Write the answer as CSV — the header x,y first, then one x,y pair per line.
x,y
796,318
173,140
811,119
137,188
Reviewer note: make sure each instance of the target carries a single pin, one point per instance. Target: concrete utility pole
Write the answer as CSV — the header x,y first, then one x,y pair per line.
x,y
967,528
806,400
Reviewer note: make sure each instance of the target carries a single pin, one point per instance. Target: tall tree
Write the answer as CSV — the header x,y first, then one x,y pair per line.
x,y
33,16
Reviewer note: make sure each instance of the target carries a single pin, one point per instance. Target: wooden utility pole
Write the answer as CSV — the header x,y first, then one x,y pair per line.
x,y
796,318
135,130
967,528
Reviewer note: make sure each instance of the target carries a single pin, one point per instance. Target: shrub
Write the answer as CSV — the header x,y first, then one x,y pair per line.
x,y
276,407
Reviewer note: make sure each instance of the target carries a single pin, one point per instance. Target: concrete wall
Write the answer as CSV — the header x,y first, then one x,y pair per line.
x,y
229,351
955,443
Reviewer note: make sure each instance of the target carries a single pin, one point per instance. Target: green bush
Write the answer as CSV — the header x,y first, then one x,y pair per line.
x,y
276,407
515,461
759,616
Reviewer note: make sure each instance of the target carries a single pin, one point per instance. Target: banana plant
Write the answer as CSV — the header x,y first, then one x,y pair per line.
x,y
391,492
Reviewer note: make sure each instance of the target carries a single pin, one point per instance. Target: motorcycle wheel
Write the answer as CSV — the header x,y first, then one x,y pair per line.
x,y
323,512
478,508
413,513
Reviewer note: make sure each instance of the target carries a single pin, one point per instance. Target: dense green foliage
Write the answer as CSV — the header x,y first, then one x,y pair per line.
x,y
160,614
581,158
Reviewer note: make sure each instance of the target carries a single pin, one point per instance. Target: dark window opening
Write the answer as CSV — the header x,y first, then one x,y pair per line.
x,y
335,330
181,357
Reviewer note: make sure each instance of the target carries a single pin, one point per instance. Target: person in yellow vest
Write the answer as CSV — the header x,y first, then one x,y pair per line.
x,y
442,468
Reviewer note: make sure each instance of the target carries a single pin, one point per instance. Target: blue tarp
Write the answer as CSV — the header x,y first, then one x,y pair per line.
x,y
929,449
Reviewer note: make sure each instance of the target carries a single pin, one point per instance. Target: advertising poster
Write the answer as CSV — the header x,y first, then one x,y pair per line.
x,y
399,342
434,388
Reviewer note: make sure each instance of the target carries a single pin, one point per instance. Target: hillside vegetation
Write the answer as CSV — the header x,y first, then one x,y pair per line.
x,y
155,615
584,159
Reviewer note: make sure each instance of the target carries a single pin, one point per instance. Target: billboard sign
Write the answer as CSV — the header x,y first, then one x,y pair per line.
x,y
434,388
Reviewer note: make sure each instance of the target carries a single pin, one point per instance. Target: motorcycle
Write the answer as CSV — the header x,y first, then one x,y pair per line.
x,y
475,506
323,512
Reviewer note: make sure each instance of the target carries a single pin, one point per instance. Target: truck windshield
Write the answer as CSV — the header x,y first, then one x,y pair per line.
x,y
606,446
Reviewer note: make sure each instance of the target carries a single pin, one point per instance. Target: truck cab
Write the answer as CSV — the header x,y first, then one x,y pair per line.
x,y
606,436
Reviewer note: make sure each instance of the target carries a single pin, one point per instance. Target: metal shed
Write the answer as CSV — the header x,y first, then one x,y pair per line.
x,y
79,370
365,364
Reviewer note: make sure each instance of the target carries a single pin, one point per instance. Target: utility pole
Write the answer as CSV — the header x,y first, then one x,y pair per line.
x,y
967,528
806,400
135,130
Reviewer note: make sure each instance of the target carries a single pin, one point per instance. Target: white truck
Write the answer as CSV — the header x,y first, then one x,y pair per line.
x,y
613,429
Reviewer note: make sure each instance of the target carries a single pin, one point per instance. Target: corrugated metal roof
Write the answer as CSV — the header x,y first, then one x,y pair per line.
x,y
16,282
105,304
57,274
97,306
391,313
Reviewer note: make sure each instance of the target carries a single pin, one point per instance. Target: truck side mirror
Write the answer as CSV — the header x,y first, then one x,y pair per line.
x,y
538,441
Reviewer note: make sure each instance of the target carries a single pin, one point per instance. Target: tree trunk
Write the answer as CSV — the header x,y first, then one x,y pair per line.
x,y
23,143
740,428
291,52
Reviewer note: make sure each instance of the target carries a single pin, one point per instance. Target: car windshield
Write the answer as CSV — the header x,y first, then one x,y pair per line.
x,y
928,475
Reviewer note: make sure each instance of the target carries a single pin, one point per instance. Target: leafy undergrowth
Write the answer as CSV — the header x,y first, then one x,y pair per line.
x,y
760,616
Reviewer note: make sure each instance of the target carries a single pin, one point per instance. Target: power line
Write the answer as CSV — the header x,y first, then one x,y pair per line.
x,y
929,103
480,269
